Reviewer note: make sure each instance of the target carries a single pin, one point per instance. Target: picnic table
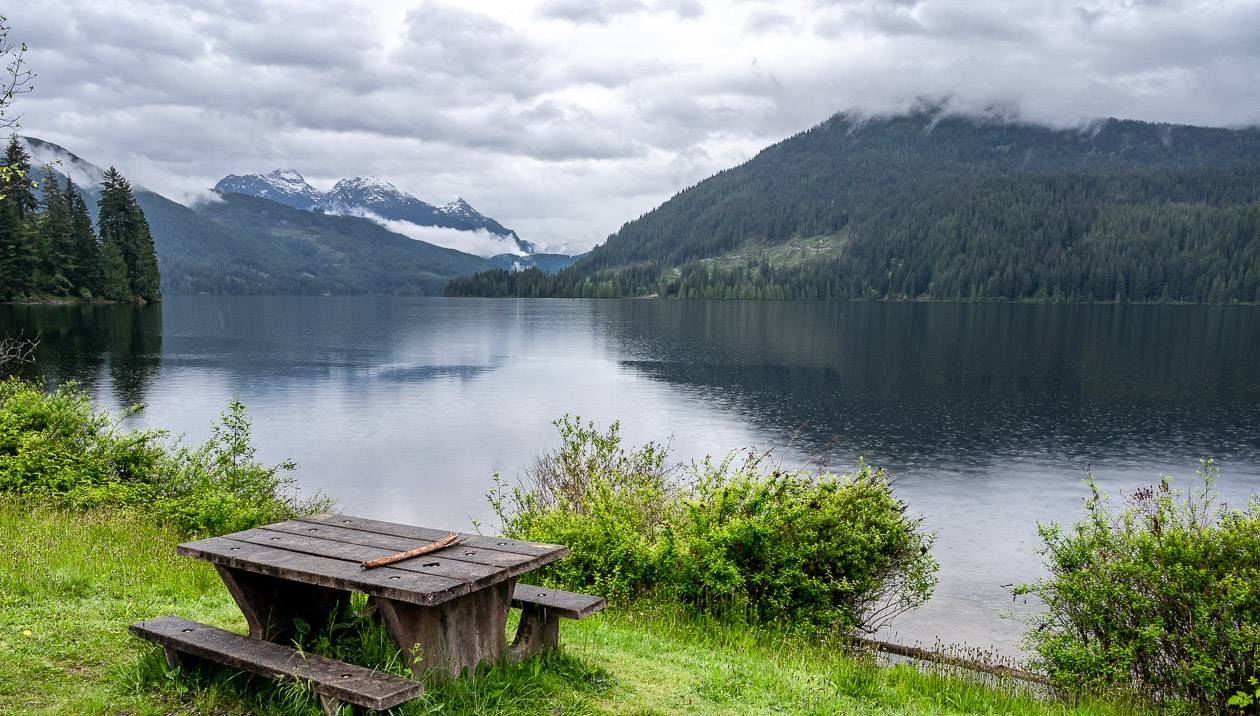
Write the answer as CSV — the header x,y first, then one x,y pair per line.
x,y
448,607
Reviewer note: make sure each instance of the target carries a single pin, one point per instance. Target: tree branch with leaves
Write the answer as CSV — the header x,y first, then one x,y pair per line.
x,y
16,80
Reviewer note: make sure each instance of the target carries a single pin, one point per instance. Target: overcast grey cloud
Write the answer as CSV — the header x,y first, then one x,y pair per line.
x,y
562,118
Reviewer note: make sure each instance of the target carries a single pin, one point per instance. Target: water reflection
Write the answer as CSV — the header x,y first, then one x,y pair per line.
x,y
118,345
959,384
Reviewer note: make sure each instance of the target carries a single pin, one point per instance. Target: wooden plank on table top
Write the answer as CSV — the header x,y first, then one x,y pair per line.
x,y
404,586
433,563
462,551
428,534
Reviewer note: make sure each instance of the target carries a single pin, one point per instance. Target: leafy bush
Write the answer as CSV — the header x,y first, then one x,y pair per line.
x,y
1161,596
61,447
221,487
60,443
735,535
604,503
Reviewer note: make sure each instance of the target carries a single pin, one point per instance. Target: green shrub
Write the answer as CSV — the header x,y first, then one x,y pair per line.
x,y
221,487
60,443
734,535
810,547
1161,596
59,446
604,503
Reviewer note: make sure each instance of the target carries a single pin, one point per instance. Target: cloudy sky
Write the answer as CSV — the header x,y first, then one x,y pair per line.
x,y
564,118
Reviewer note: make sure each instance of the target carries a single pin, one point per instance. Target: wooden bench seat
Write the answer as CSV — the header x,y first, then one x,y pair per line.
x,y
569,605
541,611
335,682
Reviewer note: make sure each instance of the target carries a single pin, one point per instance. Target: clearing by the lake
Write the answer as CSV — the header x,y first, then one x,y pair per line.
x,y
71,582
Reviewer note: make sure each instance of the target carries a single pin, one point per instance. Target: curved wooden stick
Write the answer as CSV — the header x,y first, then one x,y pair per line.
x,y
446,541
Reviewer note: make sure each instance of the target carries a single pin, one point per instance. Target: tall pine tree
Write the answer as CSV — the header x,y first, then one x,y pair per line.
x,y
123,227
18,189
85,272
18,238
56,244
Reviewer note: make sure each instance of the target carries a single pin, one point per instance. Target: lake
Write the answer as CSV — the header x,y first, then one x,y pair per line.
x,y
988,415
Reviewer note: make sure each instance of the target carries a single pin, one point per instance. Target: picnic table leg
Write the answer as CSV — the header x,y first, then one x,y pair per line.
x,y
538,631
271,604
453,636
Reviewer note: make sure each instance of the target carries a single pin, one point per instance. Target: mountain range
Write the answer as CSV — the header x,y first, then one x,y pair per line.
x,y
240,244
370,197
930,205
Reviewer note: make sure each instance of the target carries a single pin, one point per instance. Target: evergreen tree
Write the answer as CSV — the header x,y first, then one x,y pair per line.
x,y
56,246
18,238
123,226
114,285
86,266
17,189
15,264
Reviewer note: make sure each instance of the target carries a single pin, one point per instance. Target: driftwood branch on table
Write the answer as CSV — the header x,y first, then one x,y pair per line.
x,y
447,541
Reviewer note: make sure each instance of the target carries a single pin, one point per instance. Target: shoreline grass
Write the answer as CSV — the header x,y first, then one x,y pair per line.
x,y
71,582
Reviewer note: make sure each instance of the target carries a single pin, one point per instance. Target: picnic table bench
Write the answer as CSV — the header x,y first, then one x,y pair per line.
x,y
447,608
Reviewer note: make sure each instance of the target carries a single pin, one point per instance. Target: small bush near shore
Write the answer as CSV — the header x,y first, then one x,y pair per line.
x,y
736,535
61,447
1161,596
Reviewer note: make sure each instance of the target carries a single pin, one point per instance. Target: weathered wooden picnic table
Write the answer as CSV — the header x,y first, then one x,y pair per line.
x,y
449,607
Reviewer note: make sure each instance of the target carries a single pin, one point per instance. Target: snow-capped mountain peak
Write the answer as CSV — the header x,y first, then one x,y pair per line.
x,y
460,208
284,186
380,200
289,178
368,191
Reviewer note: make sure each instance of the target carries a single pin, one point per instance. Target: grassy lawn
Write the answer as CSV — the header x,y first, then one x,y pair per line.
x,y
70,583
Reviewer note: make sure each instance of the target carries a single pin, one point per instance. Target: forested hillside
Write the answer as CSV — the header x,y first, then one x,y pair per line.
x,y
270,248
927,206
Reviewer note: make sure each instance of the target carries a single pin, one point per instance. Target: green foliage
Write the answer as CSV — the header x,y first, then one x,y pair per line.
x,y
19,236
60,444
221,486
48,248
122,224
57,237
1249,696
810,547
87,267
603,502
736,535
113,285
930,206
60,447
1161,596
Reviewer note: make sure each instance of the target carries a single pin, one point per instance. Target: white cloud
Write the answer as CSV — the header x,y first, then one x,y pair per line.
x,y
564,119
479,242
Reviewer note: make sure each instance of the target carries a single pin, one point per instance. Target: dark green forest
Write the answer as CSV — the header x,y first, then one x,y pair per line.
x,y
49,249
924,206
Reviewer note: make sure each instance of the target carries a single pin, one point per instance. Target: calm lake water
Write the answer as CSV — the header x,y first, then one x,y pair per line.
x,y
988,415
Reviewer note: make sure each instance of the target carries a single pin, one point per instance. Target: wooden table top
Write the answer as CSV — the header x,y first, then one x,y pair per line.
x,y
327,549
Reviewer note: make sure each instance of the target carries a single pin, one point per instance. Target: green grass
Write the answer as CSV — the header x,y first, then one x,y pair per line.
x,y
74,581
793,252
